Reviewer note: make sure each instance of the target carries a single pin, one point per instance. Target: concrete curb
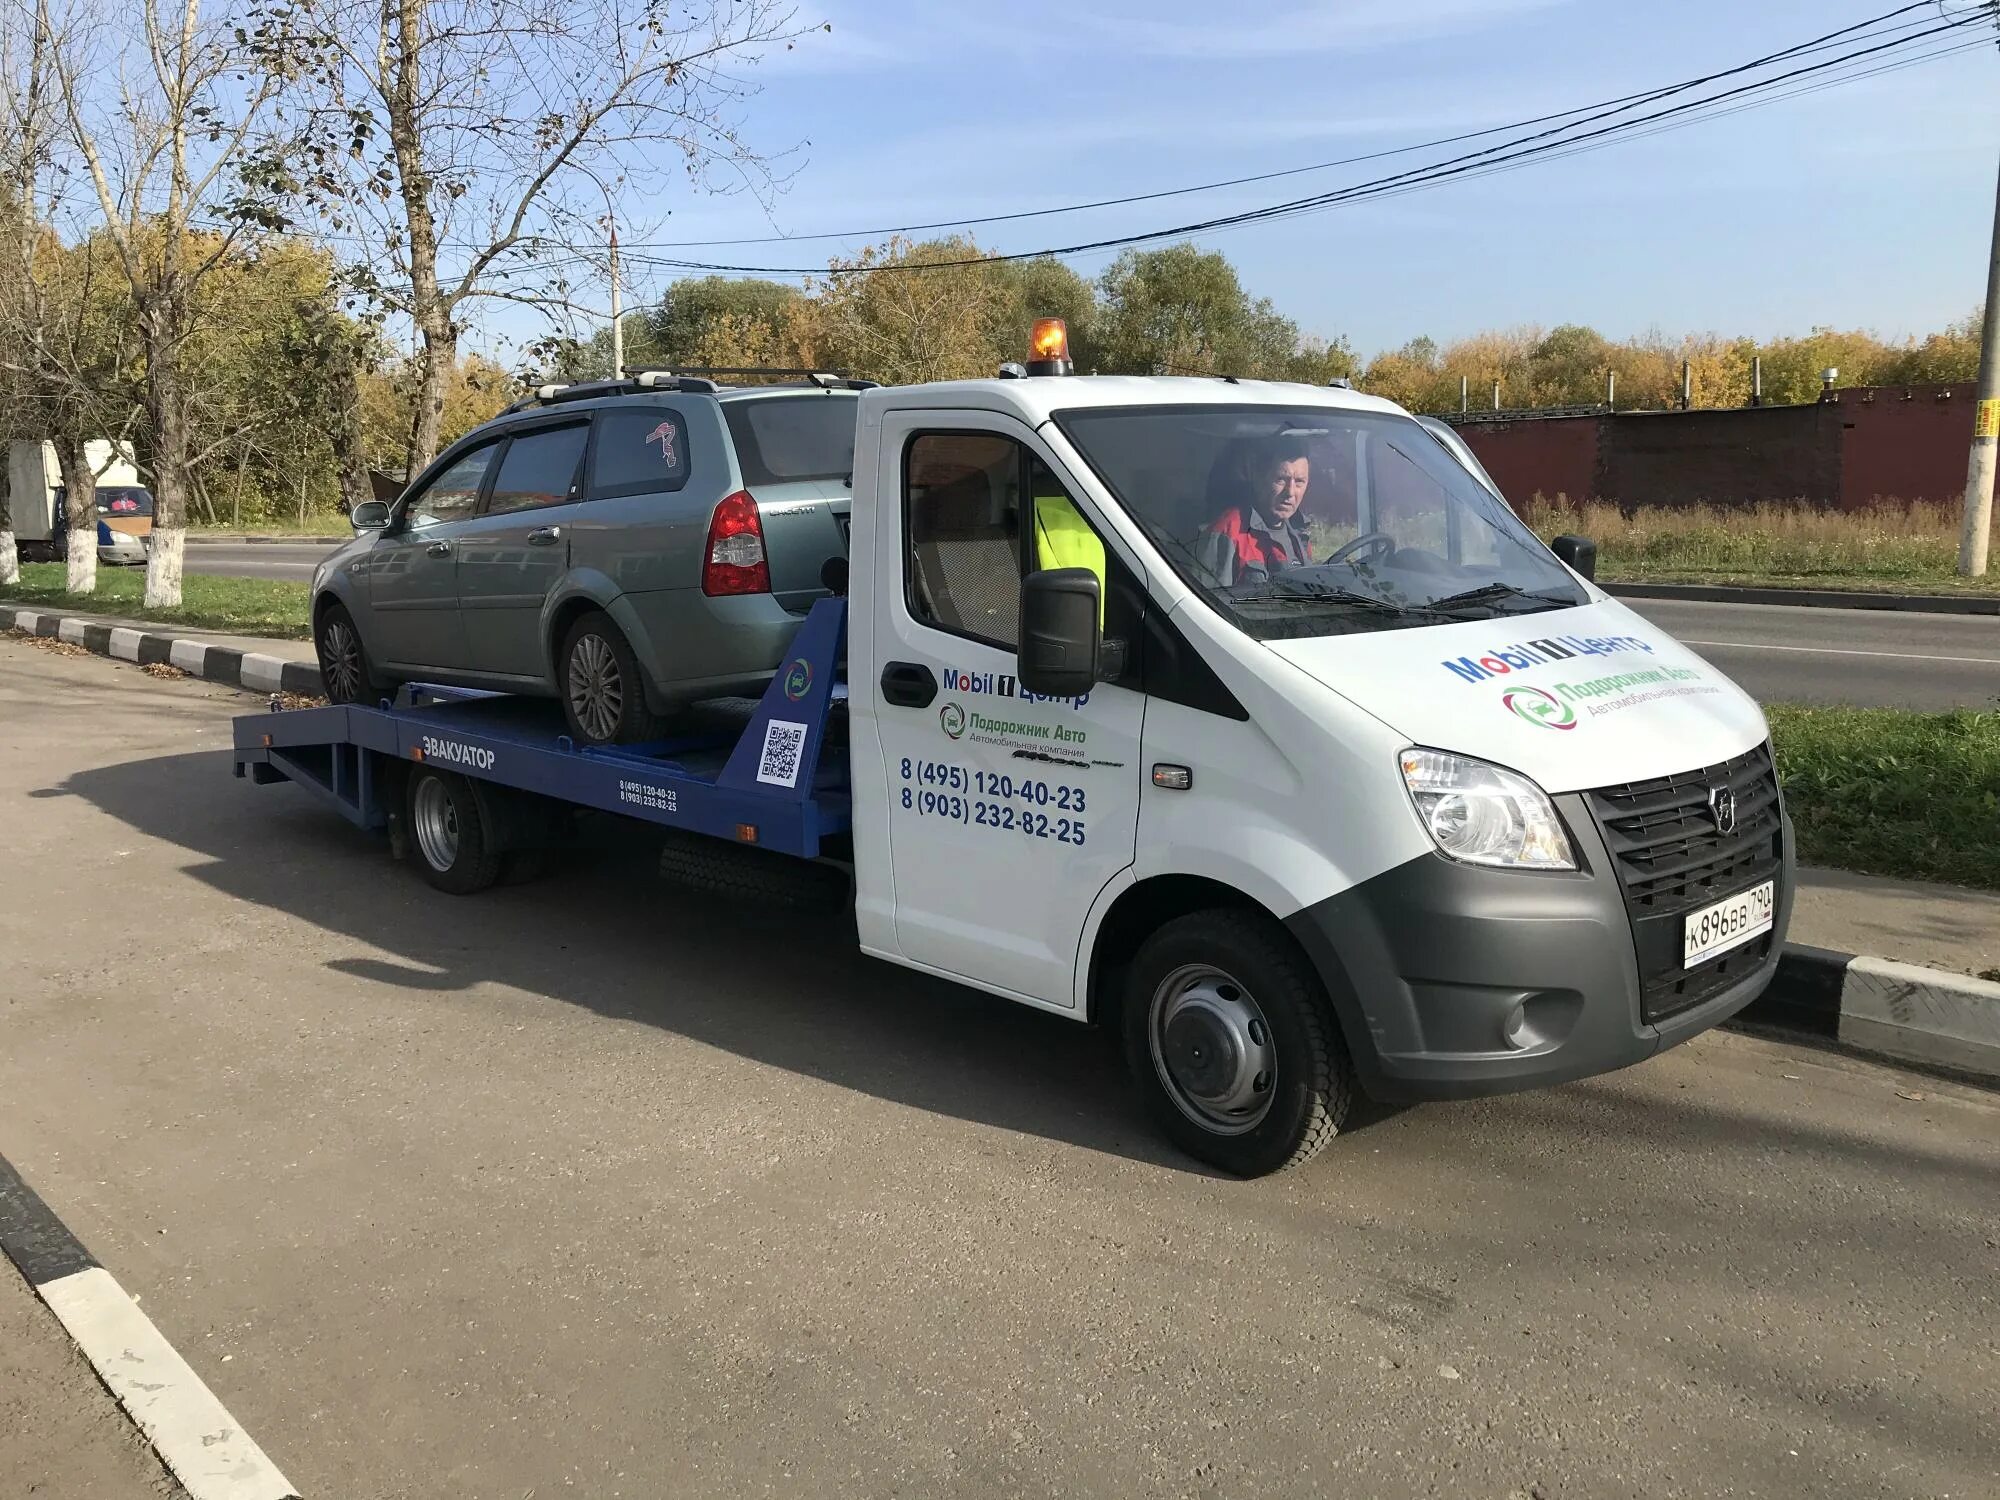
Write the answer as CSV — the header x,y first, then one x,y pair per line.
x,y
1702,593
206,1448
1876,1005
254,670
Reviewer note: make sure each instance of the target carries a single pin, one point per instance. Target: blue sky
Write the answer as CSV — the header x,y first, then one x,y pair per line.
x,y
1866,205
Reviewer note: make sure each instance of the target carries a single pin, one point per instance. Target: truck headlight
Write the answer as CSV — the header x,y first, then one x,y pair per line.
x,y
1483,814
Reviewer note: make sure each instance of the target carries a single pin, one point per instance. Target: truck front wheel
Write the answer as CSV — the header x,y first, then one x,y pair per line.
x,y
1231,1040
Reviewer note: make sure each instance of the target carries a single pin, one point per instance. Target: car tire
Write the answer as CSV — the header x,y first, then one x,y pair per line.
x,y
345,672
603,690
450,833
1233,1044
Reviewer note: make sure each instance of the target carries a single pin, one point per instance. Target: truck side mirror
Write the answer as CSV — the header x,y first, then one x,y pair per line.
x,y
1060,637
1579,552
369,515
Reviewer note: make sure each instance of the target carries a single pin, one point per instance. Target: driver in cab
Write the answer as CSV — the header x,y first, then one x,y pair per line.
x,y
1259,531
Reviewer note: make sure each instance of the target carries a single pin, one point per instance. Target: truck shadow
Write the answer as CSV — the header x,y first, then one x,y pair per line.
x,y
603,931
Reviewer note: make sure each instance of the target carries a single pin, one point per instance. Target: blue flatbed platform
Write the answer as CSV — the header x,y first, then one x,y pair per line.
x,y
781,783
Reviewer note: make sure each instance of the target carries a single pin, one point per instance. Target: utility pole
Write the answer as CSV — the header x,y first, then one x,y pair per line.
x,y
1977,527
617,307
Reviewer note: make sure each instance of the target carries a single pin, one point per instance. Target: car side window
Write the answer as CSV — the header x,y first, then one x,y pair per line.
x,y
539,468
962,525
639,450
453,494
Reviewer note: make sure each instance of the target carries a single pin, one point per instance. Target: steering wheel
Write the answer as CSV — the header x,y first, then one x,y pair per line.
x,y
1378,545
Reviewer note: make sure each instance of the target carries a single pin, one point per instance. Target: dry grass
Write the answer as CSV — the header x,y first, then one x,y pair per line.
x,y
1795,542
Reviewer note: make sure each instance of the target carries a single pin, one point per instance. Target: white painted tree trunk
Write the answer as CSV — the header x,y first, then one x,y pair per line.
x,y
10,559
83,559
163,568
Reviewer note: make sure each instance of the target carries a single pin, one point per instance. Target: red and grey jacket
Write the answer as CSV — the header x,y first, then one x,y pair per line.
x,y
1241,546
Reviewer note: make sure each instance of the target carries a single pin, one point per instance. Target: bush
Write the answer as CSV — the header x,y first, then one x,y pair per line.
x,y
1886,791
1890,541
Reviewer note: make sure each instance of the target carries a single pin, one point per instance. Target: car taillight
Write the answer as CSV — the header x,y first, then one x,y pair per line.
x,y
735,561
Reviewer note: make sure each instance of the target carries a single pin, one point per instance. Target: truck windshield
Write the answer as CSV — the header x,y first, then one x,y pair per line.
x,y
1318,520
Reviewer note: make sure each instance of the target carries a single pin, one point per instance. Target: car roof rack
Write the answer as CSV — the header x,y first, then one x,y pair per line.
x,y
638,380
826,380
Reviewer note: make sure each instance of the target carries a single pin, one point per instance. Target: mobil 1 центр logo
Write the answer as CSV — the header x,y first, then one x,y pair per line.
x,y
1524,655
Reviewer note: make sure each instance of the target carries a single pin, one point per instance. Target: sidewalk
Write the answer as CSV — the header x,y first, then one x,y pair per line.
x,y
66,1437
1940,926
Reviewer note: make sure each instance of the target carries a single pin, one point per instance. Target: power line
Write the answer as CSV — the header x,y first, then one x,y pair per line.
x,y
1521,148
1644,96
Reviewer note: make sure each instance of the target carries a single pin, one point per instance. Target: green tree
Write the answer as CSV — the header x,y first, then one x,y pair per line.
x,y
1182,310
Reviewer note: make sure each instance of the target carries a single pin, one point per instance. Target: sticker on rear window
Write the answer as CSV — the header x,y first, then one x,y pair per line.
x,y
664,436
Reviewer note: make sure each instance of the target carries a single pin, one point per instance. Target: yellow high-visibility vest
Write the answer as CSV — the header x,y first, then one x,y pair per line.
x,y
1063,539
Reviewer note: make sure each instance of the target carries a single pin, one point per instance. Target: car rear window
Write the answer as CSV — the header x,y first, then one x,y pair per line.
x,y
639,450
124,500
799,437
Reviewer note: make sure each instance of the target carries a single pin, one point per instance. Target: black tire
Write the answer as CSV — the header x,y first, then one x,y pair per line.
x,y
1213,976
450,834
344,668
755,877
603,691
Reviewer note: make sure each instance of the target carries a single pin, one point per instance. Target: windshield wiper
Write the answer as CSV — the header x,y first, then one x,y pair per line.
x,y
1327,596
1493,593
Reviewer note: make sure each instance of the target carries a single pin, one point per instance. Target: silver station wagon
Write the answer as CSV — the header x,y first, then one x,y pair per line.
x,y
622,546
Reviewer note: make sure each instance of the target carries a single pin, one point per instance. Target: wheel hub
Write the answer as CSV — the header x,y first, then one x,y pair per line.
x,y
437,824
341,659
596,690
1213,1049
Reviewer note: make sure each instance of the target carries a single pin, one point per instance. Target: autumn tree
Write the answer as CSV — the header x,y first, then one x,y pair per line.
x,y
466,143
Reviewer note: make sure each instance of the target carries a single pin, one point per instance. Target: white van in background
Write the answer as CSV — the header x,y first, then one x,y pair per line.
x,y
35,496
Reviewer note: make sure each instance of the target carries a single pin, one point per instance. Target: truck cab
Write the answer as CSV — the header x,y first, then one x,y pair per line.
x,y
1376,790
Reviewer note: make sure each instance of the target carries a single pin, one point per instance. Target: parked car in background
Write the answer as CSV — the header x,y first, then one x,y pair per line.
x,y
623,546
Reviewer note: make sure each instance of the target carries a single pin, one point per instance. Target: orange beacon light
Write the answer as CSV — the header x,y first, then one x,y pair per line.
x,y
1048,348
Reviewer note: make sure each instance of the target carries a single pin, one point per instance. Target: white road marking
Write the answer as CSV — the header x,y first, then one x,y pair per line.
x,y
1978,661
211,1455
125,643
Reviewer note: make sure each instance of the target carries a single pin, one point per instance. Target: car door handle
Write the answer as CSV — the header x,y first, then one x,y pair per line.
x,y
909,684
545,536
439,549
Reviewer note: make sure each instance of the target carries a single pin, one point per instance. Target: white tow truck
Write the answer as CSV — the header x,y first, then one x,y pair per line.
x,y
1241,716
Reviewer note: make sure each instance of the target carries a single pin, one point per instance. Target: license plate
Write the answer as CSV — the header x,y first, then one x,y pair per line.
x,y
1729,923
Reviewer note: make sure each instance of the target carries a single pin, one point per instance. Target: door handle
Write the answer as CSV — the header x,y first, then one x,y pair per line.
x,y
439,549
545,536
909,684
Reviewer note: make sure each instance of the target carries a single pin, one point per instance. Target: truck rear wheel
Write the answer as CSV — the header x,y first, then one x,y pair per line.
x,y
454,843
1231,1041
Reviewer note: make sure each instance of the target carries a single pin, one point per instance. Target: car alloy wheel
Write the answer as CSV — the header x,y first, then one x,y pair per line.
x,y
340,659
596,687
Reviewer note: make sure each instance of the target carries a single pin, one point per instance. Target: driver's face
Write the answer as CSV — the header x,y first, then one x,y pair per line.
x,y
1285,490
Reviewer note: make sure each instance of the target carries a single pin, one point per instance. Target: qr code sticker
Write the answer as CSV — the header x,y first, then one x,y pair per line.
x,y
784,743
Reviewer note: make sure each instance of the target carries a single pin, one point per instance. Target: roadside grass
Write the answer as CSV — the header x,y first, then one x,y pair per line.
x,y
244,606
330,524
1888,791
1907,548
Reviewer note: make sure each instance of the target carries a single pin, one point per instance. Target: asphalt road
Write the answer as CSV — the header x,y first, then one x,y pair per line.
x,y
288,560
596,1186
1777,653
1782,653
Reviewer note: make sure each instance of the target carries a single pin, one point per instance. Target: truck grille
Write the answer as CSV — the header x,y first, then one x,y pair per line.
x,y
1672,859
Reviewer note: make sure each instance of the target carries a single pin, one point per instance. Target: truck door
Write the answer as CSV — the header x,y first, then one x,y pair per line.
x,y
1007,814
